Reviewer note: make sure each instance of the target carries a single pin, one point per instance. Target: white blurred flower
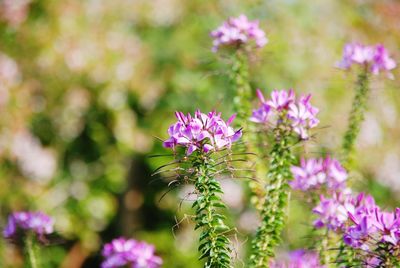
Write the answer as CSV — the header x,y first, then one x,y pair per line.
x,y
248,221
9,76
389,171
371,131
233,194
14,12
34,161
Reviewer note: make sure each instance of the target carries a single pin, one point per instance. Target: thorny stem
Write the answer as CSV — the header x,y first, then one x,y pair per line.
x,y
242,107
358,109
240,78
214,245
323,246
273,213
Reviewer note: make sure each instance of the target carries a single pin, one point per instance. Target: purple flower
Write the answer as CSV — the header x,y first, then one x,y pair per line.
x,y
388,223
238,31
35,222
373,261
123,252
309,175
280,99
283,108
316,173
203,132
364,206
333,212
375,58
359,235
299,259
382,61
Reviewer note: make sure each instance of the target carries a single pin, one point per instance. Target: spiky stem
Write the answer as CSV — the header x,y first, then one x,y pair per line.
x,y
242,107
324,246
347,256
240,79
356,118
273,213
31,251
214,245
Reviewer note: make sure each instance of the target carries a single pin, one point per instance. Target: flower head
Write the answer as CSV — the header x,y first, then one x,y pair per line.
x,y
299,259
238,31
359,235
122,252
388,224
375,58
315,173
284,108
35,222
203,132
333,212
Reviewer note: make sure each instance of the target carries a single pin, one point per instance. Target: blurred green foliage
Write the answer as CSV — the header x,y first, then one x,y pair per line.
x,y
89,87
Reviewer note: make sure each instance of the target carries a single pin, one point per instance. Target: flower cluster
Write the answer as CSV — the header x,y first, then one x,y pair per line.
x,y
333,211
373,230
203,132
284,109
376,58
238,31
315,173
299,259
123,252
363,225
34,222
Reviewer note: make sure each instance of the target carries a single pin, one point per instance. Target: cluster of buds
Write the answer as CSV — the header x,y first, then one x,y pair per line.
x,y
123,252
36,223
319,173
283,109
202,132
238,31
374,58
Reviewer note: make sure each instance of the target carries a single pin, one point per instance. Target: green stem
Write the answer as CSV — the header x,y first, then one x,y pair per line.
x,y
358,109
242,107
273,213
240,78
324,248
214,245
347,256
31,251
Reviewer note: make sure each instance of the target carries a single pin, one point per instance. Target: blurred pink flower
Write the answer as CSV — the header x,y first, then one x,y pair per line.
x,y
374,58
14,12
238,31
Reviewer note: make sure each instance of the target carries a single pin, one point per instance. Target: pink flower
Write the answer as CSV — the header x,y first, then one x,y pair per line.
x,y
238,31
358,236
388,223
333,212
122,252
316,173
281,99
36,222
204,132
375,58
382,61
298,259
284,108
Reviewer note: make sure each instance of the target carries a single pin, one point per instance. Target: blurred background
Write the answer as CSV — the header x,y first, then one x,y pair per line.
x,y
89,87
